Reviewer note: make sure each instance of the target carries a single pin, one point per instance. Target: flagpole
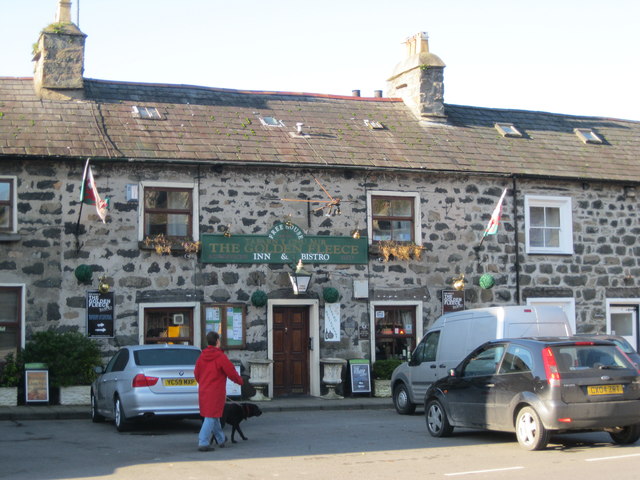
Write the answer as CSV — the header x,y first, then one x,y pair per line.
x,y
77,234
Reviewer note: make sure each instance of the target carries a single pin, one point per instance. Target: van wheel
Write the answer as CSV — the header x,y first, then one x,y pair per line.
x,y
437,422
95,416
626,435
118,416
401,400
530,432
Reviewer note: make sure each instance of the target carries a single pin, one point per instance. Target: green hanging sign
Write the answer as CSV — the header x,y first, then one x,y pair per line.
x,y
284,243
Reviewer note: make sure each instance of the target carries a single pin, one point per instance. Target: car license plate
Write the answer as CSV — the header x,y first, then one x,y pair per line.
x,y
605,390
179,382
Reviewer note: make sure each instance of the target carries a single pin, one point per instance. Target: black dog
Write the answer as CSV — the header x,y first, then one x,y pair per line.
x,y
234,413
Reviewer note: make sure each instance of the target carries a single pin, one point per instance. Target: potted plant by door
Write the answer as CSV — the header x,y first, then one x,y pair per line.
x,y
10,375
382,370
71,358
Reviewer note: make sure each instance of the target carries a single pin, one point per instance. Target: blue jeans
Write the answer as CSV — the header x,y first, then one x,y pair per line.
x,y
210,427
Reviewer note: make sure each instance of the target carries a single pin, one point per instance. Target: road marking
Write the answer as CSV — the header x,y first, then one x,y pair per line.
x,y
473,472
612,458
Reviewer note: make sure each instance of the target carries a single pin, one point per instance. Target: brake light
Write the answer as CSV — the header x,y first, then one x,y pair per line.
x,y
584,343
141,380
550,366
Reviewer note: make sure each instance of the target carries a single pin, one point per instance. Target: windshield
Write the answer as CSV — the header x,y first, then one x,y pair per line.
x,y
571,358
166,356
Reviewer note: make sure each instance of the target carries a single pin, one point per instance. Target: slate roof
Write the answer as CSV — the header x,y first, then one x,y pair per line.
x,y
210,125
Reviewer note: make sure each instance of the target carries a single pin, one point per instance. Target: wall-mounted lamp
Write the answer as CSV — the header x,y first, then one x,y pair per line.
x,y
103,286
458,283
300,279
355,234
287,221
227,231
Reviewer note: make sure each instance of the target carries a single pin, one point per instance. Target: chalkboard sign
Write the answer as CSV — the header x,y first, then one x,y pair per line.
x,y
360,375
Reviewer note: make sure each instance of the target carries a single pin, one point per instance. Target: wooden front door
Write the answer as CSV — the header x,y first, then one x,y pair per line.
x,y
290,351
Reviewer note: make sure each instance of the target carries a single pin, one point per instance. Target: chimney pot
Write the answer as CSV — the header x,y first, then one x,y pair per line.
x,y
63,15
355,93
377,93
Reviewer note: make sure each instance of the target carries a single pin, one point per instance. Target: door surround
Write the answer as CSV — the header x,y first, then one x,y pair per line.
x,y
314,333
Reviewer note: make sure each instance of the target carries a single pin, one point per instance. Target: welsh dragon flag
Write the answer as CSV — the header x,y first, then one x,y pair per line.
x,y
492,226
89,193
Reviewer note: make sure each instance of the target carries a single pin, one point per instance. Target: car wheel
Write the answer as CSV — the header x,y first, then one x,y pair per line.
x,y
118,416
626,435
401,400
530,432
437,422
95,416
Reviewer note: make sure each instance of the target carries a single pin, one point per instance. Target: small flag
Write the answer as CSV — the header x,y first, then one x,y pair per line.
x,y
492,227
89,193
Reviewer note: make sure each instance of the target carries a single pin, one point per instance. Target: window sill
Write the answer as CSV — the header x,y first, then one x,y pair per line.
x,y
10,237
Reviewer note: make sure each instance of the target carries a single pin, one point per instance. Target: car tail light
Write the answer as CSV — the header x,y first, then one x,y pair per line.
x,y
565,420
550,366
141,380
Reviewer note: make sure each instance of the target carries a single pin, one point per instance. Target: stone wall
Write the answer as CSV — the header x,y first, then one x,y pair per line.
x,y
454,211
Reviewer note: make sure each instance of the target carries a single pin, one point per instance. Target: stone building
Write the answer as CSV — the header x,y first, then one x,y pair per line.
x,y
264,180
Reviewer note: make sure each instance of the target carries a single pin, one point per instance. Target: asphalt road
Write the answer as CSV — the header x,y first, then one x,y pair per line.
x,y
355,444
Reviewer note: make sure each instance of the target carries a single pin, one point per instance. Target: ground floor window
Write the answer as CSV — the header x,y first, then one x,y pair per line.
x,y
622,319
168,325
395,331
228,320
10,320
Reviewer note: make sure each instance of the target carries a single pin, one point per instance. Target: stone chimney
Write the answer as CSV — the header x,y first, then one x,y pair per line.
x,y
419,80
60,58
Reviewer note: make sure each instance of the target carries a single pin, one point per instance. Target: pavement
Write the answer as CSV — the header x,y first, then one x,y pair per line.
x,y
62,412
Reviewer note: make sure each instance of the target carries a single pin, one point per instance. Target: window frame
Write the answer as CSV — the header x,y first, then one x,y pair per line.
x,y
224,321
12,204
417,335
195,315
19,324
387,194
564,205
194,220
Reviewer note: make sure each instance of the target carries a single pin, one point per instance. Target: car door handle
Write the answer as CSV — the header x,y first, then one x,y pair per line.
x,y
442,365
432,365
490,385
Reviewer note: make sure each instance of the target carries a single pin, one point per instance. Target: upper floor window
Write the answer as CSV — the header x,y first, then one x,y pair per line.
x,y
8,205
394,216
169,210
548,224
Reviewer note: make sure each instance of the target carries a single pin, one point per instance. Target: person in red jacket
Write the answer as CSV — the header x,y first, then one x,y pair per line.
x,y
211,372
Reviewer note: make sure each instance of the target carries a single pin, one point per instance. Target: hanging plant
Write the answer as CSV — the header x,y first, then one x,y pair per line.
x,y
330,295
160,243
83,273
400,251
191,247
259,298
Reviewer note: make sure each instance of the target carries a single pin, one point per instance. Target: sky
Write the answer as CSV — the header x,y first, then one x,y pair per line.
x,y
575,57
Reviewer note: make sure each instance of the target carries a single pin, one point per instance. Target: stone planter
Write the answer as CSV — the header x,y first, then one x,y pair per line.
x,y
75,395
259,370
8,396
332,376
381,388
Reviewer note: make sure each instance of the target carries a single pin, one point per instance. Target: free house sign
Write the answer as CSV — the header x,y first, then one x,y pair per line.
x,y
284,243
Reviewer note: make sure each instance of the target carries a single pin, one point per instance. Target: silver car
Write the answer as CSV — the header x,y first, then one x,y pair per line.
x,y
143,381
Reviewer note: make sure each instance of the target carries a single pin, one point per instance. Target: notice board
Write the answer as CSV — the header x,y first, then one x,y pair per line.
x,y
360,370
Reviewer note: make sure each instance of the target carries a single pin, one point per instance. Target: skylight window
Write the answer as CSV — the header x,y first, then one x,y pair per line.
x,y
373,125
271,122
508,130
146,112
587,135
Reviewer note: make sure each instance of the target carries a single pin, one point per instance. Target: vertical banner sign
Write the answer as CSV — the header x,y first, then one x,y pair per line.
x,y
332,322
452,300
100,314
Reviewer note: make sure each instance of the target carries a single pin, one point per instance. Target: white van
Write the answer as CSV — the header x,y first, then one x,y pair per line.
x,y
455,334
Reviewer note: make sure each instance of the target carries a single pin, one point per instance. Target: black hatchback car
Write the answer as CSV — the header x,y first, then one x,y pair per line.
x,y
537,386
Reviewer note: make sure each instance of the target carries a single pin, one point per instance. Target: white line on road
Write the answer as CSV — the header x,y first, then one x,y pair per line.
x,y
612,458
473,472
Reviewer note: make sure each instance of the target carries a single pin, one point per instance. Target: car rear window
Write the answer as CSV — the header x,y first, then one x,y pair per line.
x,y
571,358
165,356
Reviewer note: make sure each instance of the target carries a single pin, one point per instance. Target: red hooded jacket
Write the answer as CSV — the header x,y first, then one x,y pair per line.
x,y
211,372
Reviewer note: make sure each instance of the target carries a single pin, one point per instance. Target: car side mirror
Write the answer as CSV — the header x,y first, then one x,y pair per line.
x,y
98,369
413,361
452,372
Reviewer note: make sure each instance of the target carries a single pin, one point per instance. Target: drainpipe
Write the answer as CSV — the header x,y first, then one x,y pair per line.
x,y
515,237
